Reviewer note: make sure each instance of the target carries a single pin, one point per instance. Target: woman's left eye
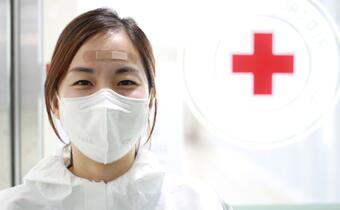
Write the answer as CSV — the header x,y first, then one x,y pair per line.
x,y
126,82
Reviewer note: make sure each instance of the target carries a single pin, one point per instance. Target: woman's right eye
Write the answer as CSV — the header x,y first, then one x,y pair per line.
x,y
82,83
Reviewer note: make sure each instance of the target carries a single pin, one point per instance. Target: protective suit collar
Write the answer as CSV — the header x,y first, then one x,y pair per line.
x,y
140,186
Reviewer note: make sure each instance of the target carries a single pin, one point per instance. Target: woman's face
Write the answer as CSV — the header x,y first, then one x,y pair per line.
x,y
105,61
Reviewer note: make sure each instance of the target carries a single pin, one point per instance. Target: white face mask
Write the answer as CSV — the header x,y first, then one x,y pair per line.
x,y
104,126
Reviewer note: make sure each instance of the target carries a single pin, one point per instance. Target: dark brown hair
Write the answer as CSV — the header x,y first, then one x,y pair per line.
x,y
76,33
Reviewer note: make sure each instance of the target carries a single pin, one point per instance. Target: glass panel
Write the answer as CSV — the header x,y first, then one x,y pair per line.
x,y
5,163
31,72
290,207
303,172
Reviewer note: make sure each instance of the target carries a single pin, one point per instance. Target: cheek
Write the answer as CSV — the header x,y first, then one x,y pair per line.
x,y
62,89
140,92
65,90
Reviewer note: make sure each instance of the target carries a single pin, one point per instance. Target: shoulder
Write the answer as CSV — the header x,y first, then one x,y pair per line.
x,y
185,193
29,195
21,197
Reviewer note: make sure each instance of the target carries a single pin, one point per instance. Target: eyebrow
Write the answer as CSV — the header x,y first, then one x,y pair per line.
x,y
122,70
82,69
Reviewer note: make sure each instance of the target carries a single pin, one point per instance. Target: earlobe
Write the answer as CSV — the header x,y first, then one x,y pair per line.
x,y
150,104
56,114
47,68
152,100
55,107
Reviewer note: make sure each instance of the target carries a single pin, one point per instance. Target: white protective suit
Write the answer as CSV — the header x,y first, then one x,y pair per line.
x,y
51,186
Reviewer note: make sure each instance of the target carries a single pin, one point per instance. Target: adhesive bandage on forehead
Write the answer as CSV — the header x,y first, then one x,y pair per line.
x,y
100,56
105,55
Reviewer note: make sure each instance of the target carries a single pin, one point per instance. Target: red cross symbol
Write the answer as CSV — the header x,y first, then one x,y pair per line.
x,y
262,63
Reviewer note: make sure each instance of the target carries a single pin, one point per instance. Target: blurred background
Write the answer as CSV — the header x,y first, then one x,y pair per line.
x,y
303,172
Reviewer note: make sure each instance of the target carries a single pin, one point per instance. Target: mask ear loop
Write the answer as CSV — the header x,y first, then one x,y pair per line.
x,y
148,122
143,135
67,149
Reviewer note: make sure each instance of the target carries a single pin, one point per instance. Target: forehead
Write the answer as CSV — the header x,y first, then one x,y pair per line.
x,y
117,41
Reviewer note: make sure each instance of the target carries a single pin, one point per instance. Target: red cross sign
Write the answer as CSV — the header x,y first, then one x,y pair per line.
x,y
279,61
263,63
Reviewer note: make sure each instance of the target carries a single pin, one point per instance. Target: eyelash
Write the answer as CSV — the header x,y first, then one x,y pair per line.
x,y
81,83
129,81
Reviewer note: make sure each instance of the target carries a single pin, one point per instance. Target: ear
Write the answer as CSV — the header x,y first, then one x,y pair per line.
x,y
55,107
47,67
152,101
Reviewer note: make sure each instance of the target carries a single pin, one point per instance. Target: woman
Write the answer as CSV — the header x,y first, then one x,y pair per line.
x,y
101,86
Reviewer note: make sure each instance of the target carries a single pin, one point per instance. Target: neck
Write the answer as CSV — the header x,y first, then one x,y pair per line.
x,y
88,169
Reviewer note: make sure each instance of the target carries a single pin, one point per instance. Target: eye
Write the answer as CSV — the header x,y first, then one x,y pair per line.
x,y
126,82
82,83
